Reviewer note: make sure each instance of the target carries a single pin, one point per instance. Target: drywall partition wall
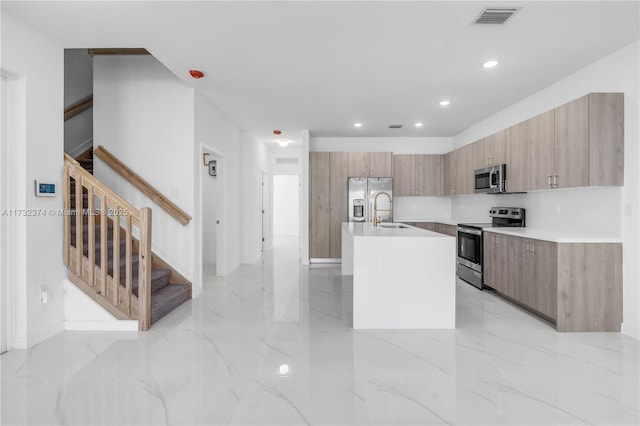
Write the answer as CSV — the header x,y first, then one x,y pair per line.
x,y
36,67
400,145
144,115
78,84
217,131
618,72
254,163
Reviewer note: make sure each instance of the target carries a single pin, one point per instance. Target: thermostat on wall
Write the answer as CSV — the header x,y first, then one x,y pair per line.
x,y
44,189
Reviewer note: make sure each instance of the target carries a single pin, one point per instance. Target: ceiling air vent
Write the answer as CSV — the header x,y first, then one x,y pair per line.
x,y
495,15
281,160
395,126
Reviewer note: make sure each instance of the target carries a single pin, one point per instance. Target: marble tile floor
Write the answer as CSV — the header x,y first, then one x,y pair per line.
x,y
272,344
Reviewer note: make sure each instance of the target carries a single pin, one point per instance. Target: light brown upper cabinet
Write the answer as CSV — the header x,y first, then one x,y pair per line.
x,y
380,164
606,139
370,164
530,147
466,157
417,175
428,175
450,173
589,142
358,164
497,149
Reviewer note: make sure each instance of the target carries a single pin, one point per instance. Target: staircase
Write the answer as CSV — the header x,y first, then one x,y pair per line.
x,y
117,287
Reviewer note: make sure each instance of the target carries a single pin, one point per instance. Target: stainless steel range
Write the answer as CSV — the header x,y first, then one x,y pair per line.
x,y
470,242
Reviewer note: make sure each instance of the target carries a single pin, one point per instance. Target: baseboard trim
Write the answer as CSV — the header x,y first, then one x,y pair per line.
x,y
122,325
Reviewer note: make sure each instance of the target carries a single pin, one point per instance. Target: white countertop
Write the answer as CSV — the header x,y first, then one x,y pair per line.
x,y
555,236
445,221
366,229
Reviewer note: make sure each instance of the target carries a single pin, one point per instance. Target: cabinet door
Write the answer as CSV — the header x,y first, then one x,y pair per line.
x,y
572,144
338,210
503,270
517,162
490,261
541,148
404,175
545,277
481,153
358,164
466,167
447,184
497,148
380,164
606,139
453,172
428,175
319,204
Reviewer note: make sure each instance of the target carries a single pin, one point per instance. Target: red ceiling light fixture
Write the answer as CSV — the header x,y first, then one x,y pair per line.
x,y
277,132
197,74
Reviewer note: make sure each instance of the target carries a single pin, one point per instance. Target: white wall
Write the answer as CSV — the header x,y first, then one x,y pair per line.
x,y
304,198
37,65
608,208
286,205
144,115
78,84
395,145
220,134
254,163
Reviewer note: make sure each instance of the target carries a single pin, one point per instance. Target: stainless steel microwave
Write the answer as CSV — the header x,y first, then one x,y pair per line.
x,y
491,180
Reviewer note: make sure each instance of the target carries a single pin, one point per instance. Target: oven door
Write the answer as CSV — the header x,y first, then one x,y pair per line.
x,y
470,248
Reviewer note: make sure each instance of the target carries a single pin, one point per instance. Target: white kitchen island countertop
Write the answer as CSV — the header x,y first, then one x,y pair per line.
x,y
403,278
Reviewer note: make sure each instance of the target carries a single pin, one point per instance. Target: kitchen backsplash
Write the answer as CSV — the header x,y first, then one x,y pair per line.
x,y
421,208
578,209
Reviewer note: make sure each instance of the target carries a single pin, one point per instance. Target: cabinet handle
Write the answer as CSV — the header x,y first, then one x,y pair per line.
x,y
549,181
555,180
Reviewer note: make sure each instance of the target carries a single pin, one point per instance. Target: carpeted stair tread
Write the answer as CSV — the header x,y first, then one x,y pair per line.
x,y
167,299
159,279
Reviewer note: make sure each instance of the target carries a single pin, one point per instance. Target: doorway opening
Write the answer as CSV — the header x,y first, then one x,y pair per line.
x,y
212,197
286,210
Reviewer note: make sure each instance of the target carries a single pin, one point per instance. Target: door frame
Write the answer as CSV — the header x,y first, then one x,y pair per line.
x,y
267,203
221,232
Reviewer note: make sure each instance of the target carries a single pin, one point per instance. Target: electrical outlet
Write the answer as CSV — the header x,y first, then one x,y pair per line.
x,y
382,262
44,294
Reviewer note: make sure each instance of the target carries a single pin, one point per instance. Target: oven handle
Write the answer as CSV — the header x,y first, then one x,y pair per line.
x,y
470,231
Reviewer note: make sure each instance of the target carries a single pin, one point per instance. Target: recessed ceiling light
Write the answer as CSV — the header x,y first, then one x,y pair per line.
x,y
283,142
357,125
490,64
445,102
418,124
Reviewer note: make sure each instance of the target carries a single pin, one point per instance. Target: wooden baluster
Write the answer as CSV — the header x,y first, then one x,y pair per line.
x,y
92,237
144,274
66,213
129,264
79,224
116,257
103,245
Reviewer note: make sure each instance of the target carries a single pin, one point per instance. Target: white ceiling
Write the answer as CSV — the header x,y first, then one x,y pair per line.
x,y
324,65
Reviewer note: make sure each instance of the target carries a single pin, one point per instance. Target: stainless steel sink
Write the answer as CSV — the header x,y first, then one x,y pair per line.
x,y
393,225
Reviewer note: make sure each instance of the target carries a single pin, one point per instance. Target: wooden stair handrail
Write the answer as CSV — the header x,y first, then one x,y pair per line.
x,y
78,107
83,270
145,187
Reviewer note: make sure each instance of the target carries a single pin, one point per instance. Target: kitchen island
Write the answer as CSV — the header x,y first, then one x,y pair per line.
x,y
403,277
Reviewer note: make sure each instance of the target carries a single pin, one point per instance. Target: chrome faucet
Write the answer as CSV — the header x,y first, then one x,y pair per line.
x,y
376,218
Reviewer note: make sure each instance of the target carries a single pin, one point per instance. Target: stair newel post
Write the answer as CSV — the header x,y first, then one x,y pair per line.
x,y
144,283
66,213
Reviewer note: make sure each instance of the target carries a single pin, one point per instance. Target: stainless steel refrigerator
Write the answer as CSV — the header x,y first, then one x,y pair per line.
x,y
362,195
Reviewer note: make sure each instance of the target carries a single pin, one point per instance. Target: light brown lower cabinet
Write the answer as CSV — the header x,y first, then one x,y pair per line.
x,y
576,285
